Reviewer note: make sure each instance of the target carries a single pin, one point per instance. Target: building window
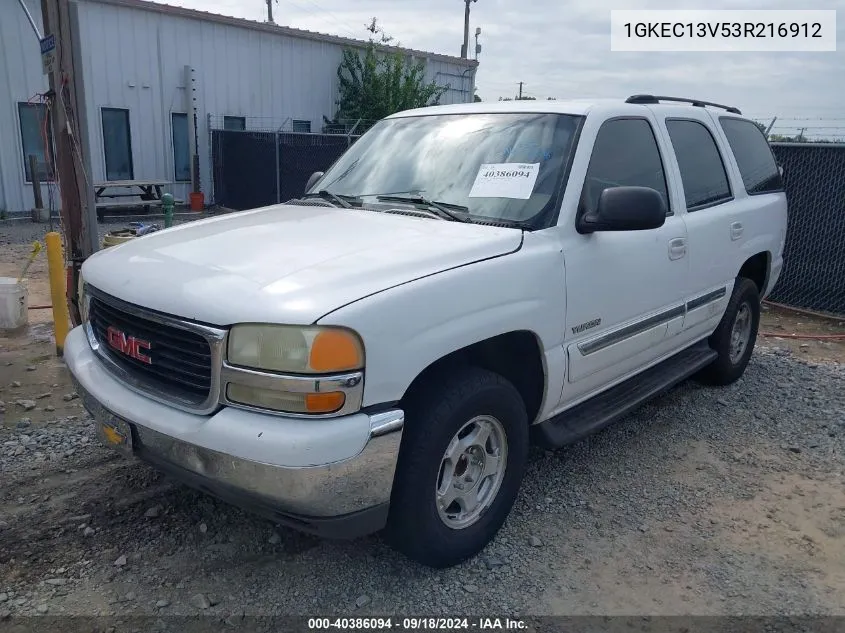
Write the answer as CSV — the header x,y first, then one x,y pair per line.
x,y
625,153
237,123
117,144
703,173
302,127
36,132
754,156
181,147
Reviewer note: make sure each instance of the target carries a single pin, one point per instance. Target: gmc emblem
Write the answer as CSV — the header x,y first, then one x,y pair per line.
x,y
128,345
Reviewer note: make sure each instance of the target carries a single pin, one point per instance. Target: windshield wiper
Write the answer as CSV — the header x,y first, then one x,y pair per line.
x,y
441,208
340,199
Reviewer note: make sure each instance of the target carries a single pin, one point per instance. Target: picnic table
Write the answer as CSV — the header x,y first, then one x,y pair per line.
x,y
147,194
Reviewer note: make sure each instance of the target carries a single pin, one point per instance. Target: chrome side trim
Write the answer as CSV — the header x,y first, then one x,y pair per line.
x,y
351,384
617,336
706,298
216,340
386,422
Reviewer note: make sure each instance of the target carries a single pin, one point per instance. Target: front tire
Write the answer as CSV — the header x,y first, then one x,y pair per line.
x,y
461,463
736,335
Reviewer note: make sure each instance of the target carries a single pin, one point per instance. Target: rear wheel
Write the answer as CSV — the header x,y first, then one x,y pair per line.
x,y
461,463
736,335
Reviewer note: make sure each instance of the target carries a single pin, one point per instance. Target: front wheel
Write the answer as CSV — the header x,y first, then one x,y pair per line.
x,y
736,335
462,459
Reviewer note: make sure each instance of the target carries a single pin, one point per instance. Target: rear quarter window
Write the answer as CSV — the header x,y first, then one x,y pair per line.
x,y
753,155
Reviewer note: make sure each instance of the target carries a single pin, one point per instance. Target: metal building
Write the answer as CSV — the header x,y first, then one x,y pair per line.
x,y
144,65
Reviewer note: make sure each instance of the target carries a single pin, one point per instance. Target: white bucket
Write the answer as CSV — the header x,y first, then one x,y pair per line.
x,y
13,304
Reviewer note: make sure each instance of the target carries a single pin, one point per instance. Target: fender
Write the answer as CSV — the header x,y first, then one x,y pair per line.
x,y
407,328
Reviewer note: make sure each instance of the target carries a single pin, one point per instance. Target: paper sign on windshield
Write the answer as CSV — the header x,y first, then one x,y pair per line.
x,y
505,180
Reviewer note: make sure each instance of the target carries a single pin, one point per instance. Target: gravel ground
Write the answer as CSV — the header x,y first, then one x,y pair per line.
x,y
706,501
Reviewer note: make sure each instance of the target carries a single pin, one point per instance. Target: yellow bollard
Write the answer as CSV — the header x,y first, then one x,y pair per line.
x,y
58,289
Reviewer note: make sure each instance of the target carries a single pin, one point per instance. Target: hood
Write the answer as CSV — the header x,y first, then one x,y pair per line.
x,y
285,264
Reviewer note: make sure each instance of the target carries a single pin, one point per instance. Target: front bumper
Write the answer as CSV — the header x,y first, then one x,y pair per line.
x,y
331,476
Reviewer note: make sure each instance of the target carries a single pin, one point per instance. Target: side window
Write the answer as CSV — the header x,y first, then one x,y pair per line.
x,y
625,154
753,155
703,173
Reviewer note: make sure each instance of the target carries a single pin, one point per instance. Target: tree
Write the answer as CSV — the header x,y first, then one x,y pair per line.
x,y
378,82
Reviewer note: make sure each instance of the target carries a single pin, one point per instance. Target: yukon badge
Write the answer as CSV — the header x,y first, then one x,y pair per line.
x,y
589,325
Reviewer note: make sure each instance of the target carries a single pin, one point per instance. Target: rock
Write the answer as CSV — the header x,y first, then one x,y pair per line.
x,y
70,396
492,562
535,542
24,423
58,582
643,529
4,597
160,604
213,601
153,512
42,608
89,531
49,407
275,539
362,601
46,394
30,367
794,449
121,561
27,405
200,601
723,402
130,596
20,450
16,383
203,528
470,588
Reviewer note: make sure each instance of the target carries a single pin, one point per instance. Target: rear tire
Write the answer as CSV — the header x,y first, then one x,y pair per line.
x,y
736,335
461,463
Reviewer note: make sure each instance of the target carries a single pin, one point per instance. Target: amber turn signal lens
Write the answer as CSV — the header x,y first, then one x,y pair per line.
x,y
324,402
336,350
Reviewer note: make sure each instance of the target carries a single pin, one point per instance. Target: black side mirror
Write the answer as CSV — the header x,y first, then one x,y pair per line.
x,y
625,209
313,180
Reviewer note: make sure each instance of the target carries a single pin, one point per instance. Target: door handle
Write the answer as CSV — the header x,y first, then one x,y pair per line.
x,y
736,230
677,248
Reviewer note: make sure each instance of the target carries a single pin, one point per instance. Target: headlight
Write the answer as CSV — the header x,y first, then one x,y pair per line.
x,y
295,350
306,354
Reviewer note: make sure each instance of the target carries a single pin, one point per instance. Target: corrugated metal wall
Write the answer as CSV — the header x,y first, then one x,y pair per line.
x,y
20,79
135,59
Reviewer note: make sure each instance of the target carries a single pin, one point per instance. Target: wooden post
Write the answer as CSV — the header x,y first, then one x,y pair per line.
x,y
36,183
69,165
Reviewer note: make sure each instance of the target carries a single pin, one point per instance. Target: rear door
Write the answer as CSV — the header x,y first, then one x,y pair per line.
x,y
712,215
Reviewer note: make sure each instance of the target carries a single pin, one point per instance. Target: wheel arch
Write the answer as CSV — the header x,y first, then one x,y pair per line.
x,y
516,355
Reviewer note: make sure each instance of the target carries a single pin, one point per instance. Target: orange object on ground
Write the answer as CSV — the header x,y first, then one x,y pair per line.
x,y
197,199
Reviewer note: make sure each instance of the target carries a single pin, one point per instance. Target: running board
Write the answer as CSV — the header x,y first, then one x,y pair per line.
x,y
607,407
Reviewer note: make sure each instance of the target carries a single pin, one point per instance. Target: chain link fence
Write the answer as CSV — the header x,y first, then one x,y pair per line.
x,y
258,167
813,275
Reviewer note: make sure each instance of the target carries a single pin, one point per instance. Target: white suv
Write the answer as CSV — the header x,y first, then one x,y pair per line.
x,y
463,281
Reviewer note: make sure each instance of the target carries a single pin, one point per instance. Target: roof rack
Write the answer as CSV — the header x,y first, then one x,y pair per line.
x,y
651,99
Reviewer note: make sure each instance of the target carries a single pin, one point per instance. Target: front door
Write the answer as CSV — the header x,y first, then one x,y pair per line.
x,y
626,289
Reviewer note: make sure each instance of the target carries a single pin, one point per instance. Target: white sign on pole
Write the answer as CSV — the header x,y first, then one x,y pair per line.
x,y
48,54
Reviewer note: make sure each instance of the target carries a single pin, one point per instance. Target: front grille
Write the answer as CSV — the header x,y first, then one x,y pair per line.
x,y
181,360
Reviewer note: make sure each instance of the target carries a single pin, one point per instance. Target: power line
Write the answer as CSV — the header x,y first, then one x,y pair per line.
x,y
325,13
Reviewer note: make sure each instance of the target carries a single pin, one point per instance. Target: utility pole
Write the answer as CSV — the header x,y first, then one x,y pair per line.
x,y
520,89
71,170
465,47
477,45
270,11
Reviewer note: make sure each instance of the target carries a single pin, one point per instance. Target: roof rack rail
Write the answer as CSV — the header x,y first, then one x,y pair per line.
x,y
651,99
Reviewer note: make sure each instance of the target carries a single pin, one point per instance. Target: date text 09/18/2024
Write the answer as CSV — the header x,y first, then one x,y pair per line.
x,y
416,624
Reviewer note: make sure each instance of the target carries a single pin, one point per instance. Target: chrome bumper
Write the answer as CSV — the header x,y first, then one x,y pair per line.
x,y
343,499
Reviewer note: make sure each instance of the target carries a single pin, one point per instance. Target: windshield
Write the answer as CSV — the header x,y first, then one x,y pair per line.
x,y
507,166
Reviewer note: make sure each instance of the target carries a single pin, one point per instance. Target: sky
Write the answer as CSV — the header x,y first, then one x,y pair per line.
x,y
561,49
